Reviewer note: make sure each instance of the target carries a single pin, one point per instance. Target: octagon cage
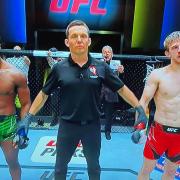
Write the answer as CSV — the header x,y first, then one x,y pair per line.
x,y
136,71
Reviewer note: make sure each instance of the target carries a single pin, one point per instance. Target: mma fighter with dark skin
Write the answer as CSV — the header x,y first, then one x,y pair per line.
x,y
12,83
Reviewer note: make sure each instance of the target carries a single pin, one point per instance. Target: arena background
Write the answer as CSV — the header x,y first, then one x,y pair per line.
x,y
134,28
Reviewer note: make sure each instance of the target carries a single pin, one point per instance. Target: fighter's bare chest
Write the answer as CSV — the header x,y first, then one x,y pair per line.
x,y
170,86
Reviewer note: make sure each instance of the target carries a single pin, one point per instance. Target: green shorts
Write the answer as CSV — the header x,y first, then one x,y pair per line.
x,y
7,127
17,102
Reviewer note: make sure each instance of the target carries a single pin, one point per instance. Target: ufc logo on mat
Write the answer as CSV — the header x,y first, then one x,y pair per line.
x,y
63,8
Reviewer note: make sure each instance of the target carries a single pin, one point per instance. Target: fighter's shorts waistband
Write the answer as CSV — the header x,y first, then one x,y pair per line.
x,y
168,129
4,117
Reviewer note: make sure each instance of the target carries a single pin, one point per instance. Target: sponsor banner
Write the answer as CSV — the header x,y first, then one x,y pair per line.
x,y
100,15
45,152
160,166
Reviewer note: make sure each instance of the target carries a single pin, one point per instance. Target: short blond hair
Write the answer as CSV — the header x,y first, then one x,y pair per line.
x,y
170,38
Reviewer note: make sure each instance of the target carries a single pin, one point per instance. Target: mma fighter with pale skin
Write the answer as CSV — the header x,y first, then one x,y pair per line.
x,y
164,135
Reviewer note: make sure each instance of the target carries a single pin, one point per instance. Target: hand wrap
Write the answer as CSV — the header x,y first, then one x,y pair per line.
x,y
141,118
139,126
21,139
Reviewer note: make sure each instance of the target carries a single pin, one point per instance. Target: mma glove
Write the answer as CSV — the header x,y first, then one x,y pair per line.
x,y
141,118
139,126
21,139
139,136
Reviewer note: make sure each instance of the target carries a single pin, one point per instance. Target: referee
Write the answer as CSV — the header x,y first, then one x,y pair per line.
x,y
80,78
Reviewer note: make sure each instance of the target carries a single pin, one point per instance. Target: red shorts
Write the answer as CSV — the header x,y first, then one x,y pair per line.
x,y
163,139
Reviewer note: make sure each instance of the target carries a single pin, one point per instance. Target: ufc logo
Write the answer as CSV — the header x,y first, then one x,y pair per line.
x,y
63,8
172,130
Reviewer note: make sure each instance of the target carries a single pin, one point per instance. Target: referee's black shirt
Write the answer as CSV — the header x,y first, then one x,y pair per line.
x,y
80,88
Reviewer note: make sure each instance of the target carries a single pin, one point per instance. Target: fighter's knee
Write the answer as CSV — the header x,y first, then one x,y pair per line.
x,y
146,171
169,173
13,164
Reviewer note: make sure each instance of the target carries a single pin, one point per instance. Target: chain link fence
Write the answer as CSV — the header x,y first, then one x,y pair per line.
x,y
136,71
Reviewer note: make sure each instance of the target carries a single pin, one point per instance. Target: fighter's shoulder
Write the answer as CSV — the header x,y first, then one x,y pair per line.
x,y
159,71
16,73
156,75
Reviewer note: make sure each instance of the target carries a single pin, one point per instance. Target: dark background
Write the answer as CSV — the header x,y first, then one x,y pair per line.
x,y
129,26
